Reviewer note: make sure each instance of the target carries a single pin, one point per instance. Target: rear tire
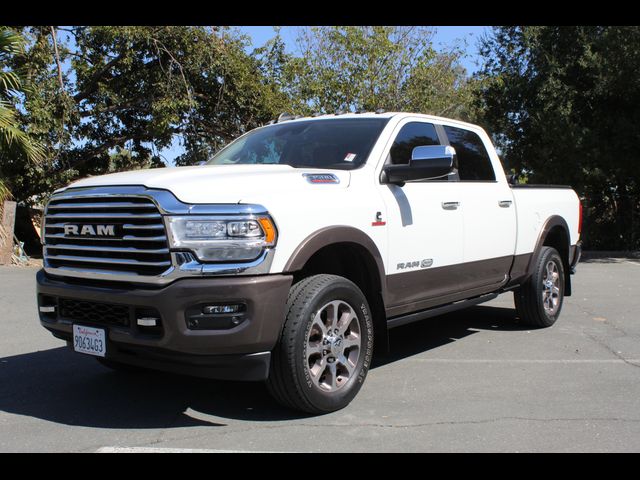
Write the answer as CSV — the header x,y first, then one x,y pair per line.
x,y
539,301
324,352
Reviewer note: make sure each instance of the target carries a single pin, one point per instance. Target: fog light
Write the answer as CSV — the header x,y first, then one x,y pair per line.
x,y
47,309
148,321
221,316
209,309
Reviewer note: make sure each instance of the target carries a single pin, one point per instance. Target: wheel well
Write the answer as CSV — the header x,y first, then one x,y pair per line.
x,y
354,262
558,238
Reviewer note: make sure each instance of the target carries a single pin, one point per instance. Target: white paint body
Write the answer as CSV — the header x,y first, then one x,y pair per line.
x,y
417,227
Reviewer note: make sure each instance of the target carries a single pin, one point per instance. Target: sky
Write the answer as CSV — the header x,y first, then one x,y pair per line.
x,y
444,36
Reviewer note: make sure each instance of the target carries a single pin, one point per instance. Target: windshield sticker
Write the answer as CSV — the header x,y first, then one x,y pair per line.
x,y
350,157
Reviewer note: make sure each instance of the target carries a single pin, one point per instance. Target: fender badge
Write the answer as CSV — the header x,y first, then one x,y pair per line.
x,y
379,222
321,178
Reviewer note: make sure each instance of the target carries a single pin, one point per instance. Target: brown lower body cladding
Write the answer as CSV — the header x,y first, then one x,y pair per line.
x,y
431,287
227,350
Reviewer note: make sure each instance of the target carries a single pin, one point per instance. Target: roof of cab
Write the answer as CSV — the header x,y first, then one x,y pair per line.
x,y
329,116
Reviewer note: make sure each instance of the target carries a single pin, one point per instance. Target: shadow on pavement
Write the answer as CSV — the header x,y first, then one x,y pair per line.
x,y
435,332
61,386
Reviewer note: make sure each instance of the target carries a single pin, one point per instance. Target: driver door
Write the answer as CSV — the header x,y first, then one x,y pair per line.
x,y
425,234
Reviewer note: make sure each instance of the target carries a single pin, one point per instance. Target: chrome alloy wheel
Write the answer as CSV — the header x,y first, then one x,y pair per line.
x,y
551,288
333,346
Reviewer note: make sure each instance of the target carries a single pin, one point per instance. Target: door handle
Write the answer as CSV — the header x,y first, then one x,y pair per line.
x,y
450,205
505,203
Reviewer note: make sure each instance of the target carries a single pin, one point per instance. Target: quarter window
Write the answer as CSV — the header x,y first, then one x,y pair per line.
x,y
473,160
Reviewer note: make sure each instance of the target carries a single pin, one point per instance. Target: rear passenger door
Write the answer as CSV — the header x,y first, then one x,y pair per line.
x,y
486,203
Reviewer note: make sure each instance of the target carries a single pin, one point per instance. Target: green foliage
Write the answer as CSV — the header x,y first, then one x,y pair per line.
x,y
564,103
366,68
112,97
5,194
14,140
104,99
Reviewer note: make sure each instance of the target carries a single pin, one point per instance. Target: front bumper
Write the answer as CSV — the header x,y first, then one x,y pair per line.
x,y
240,352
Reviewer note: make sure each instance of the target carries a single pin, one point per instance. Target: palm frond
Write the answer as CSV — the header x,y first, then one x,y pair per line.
x,y
5,194
12,138
9,83
11,42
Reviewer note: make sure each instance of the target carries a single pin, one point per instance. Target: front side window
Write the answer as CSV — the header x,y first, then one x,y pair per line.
x,y
410,136
474,163
341,144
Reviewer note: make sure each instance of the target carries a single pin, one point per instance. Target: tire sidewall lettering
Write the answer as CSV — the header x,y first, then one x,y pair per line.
x,y
362,311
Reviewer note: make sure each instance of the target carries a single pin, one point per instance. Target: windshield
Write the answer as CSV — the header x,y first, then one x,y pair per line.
x,y
337,143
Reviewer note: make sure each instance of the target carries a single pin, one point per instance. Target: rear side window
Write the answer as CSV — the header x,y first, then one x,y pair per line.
x,y
413,134
473,159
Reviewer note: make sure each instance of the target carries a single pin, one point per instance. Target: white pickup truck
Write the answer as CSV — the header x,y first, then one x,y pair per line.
x,y
290,253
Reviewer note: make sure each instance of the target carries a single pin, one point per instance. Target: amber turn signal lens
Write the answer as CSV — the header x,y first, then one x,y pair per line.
x,y
269,229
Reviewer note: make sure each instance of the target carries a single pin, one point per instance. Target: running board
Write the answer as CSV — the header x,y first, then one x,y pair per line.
x,y
434,312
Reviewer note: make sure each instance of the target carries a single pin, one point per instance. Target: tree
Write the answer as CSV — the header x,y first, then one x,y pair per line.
x,y
13,140
104,99
563,102
366,68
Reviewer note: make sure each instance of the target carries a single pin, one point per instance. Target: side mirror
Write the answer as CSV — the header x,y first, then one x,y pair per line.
x,y
427,162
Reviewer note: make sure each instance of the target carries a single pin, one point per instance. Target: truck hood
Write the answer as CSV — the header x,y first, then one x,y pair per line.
x,y
222,183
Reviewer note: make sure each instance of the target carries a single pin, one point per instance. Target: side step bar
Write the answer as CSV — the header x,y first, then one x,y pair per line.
x,y
433,312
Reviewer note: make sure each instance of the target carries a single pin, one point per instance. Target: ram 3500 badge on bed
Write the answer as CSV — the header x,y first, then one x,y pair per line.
x,y
291,252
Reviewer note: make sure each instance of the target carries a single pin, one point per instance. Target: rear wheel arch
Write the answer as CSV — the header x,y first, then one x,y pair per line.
x,y
555,234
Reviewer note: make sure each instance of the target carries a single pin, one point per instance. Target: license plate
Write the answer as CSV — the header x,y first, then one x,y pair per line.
x,y
89,340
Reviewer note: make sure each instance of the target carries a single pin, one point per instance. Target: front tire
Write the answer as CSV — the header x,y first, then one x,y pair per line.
x,y
539,301
324,352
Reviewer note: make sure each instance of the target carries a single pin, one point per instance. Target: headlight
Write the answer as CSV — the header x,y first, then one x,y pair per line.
x,y
222,239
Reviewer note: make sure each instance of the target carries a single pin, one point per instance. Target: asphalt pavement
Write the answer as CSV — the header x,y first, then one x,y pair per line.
x,y
475,380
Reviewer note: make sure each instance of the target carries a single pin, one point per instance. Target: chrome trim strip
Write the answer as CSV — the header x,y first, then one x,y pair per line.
x,y
166,202
188,266
62,236
156,226
94,248
104,215
126,226
183,264
107,261
79,206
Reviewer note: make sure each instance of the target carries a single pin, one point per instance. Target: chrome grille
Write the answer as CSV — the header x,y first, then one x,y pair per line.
x,y
140,248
